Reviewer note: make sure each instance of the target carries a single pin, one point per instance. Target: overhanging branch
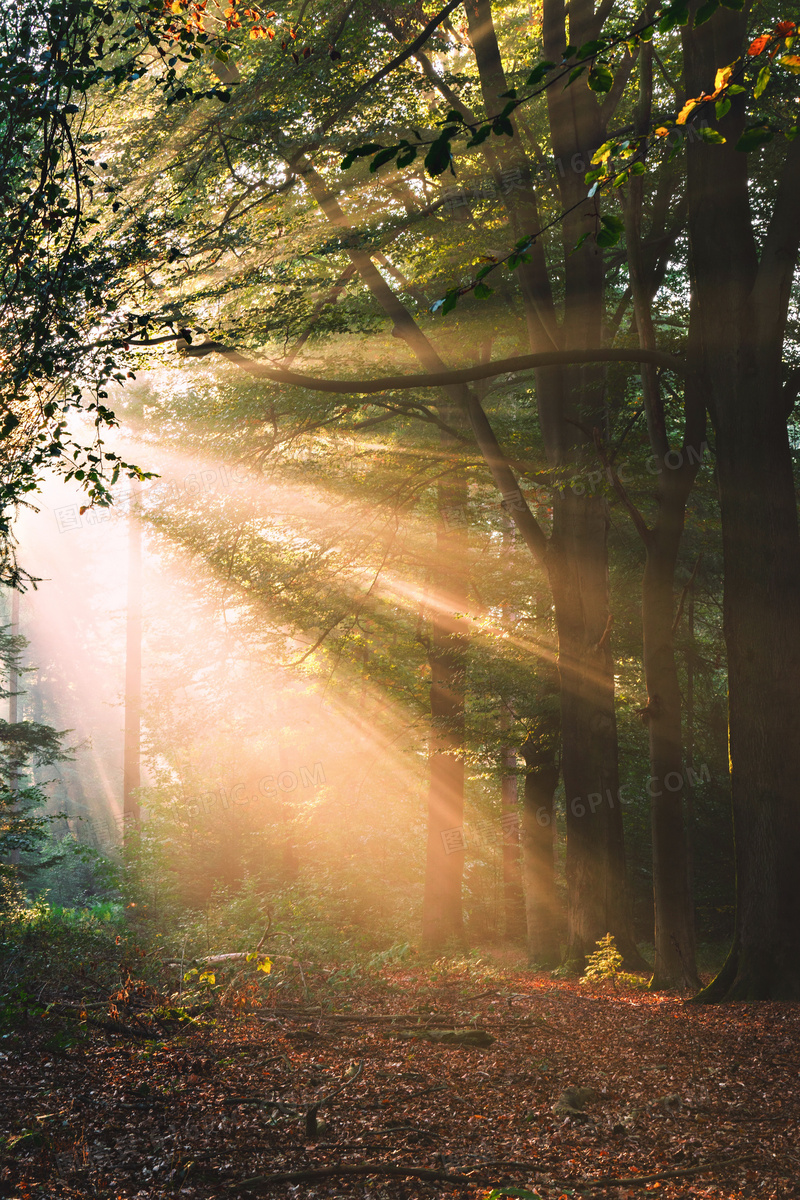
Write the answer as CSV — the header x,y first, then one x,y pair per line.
x,y
386,383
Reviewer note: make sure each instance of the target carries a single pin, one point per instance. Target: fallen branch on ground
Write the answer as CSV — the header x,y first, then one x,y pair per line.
x,y
395,1169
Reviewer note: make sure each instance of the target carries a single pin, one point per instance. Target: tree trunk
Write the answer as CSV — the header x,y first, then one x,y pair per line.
x,y
743,287
442,915
131,769
513,901
577,559
674,926
674,919
542,910
597,893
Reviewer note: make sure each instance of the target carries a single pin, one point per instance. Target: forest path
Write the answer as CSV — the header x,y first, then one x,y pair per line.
x,y
705,1097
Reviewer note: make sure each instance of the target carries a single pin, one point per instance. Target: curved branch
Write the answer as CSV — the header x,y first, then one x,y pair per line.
x,y
501,366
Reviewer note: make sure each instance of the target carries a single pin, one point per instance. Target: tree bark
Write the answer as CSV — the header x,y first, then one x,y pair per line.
x,y
674,919
513,900
742,288
542,909
442,914
131,768
577,559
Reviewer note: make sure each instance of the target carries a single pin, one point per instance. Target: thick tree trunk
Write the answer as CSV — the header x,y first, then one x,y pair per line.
x,y
597,893
743,289
674,919
442,916
762,635
577,560
674,925
542,910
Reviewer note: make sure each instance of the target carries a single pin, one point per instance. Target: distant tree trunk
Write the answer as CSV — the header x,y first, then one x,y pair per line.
x,y
743,285
442,913
290,863
13,709
513,901
542,913
131,765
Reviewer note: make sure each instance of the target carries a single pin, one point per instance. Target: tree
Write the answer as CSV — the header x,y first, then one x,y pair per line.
x,y
24,745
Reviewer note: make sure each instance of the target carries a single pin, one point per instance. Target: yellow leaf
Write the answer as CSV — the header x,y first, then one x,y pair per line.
x,y
688,107
265,966
792,61
176,6
662,131
722,76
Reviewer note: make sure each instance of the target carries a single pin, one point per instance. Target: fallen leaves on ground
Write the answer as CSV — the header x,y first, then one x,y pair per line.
x,y
663,1088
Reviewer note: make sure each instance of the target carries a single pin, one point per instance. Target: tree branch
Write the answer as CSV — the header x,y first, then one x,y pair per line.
x,y
445,378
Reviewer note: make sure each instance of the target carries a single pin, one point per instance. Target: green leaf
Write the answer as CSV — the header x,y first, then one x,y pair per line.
x,y
406,156
538,73
482,290
761,82
450,301
574,74
589,49
438,158
358,152
712,136
752,138
638,168
480,135
612,229
383,157
501,125
676,14
722,107
705,12
600,78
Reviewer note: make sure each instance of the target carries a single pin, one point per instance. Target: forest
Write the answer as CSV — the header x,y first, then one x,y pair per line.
x,y
399,599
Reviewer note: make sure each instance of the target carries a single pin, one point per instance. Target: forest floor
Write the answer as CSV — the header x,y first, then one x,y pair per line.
x,y
681,1100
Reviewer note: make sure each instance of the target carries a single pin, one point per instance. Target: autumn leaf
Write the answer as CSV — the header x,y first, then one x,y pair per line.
x,y
792,61
758,45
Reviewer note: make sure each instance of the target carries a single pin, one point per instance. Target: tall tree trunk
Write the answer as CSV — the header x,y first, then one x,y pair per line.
x,y
442,914
513,900
542,910
131,764
674,925
577,559
743,287
674,922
